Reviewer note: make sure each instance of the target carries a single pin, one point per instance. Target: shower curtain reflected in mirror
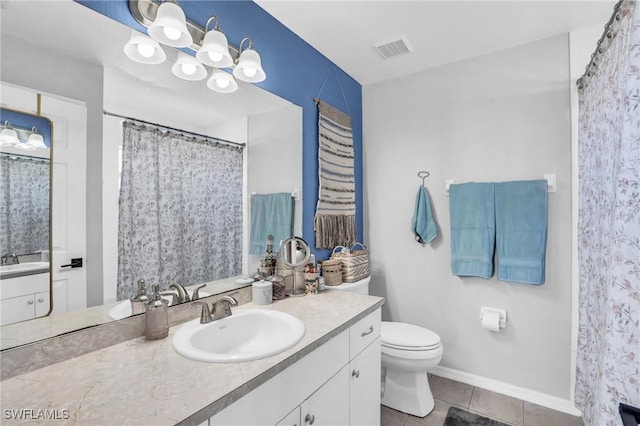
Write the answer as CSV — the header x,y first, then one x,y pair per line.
x,y
180,209
24,204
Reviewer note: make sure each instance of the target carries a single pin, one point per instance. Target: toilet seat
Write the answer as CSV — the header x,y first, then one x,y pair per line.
x,y
400,336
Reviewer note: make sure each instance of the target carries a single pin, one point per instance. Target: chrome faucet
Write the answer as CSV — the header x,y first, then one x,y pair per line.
x,y
183,294
221,308
10,255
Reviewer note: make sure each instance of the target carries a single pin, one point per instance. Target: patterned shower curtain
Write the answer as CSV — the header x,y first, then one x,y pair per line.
x,y
24,204
608,360
180,210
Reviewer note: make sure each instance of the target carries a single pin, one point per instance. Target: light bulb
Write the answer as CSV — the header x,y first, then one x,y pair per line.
x,y
215,56
171,33
249,72
222,83
145,50
188,69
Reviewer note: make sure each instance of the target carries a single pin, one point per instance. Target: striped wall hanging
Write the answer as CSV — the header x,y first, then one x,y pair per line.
x,y
335,220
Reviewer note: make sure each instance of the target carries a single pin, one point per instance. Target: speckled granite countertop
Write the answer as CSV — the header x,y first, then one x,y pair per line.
x,y
147,383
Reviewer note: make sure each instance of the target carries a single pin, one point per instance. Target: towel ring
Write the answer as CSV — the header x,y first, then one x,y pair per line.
x,y
423,175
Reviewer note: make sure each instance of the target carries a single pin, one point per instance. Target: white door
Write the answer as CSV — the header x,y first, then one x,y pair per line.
x,y
69,118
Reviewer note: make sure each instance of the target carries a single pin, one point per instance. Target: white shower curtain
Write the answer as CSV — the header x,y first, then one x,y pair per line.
x,y
608,360
180,210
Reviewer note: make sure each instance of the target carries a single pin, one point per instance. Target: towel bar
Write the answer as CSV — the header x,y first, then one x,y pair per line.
x,y
550,178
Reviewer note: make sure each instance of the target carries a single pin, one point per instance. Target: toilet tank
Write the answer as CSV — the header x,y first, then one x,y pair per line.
x,y
360,287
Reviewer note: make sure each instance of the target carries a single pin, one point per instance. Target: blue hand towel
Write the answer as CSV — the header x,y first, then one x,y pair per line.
x,y
471,207
271,214
521,230
422,224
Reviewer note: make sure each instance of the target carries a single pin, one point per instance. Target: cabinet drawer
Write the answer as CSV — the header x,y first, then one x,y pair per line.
x,y
365,331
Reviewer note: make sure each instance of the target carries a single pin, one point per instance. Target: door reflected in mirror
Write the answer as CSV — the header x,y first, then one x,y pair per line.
x,y
25,215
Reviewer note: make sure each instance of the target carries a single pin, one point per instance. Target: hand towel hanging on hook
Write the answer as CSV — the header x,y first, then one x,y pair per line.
x,y
423,224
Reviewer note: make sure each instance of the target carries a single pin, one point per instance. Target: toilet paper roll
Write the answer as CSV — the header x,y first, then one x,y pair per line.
x,y
491,321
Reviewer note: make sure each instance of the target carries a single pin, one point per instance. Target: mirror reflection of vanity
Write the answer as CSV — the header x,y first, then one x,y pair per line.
x,y
76,62
25,176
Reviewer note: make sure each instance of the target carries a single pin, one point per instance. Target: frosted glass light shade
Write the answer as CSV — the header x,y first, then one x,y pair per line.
x,y
222,82
36,140
249,67
170,26
188,68
25,146
143,49
215,50
8,137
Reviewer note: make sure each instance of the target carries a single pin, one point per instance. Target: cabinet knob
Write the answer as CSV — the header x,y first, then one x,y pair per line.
x,y
309,419
365,333
40,300
30,302
355,373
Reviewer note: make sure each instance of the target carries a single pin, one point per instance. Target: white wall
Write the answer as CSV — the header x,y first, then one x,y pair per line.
x,y
274,163
498,117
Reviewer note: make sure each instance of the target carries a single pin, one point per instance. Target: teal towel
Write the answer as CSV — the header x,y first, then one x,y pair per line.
x,y
471,207
521,230
422,224
271,214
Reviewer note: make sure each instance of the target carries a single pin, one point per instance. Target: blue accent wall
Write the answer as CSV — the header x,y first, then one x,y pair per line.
x,y
295,71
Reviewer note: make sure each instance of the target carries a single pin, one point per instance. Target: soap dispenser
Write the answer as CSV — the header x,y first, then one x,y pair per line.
x,y
156,316
140,300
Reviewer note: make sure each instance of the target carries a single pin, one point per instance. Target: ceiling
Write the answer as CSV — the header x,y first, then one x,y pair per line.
x,y
440,32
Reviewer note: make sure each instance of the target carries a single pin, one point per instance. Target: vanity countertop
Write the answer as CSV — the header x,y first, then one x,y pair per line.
x,y
147,382
25,332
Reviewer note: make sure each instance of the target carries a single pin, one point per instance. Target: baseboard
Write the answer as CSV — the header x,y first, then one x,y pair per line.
x,y
535,397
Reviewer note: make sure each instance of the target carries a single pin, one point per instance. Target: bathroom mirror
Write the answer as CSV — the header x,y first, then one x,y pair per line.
x,y
294,252
25,197
75,61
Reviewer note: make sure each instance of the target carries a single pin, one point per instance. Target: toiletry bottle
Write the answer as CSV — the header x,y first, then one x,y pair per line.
x,y
157,316
140,300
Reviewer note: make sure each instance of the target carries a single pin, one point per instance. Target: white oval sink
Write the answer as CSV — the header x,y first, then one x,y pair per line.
x,y
123,309
23,268
248,334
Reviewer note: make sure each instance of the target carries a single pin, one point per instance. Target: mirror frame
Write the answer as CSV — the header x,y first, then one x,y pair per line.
x,y
283,252
50,221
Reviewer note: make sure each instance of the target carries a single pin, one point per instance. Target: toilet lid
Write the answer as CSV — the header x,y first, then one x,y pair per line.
x,y
400,335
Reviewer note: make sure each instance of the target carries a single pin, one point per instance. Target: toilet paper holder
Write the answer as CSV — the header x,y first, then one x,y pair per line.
x,y
502,312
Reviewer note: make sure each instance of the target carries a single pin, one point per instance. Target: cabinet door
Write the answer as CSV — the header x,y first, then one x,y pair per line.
x,y
293,419
17,309
364,387
42,303
329,405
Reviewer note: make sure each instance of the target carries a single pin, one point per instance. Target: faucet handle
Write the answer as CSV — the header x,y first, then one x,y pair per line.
x,y
205,315
174,297
196,293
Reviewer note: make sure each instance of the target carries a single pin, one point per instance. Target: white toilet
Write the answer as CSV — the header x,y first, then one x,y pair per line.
x,y
408,351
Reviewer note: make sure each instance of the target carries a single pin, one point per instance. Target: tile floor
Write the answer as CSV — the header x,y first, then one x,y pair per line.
x,y
480,401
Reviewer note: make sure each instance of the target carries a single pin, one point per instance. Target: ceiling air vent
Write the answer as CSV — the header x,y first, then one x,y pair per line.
x,y
395,47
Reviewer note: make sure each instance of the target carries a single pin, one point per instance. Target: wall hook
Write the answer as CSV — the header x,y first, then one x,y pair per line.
x,y
423,174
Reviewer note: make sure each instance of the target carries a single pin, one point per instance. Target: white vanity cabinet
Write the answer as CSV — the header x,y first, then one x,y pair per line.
x,y
23,298
338,384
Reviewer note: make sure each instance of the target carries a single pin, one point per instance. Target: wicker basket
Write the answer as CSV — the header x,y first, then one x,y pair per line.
x,y
332,272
